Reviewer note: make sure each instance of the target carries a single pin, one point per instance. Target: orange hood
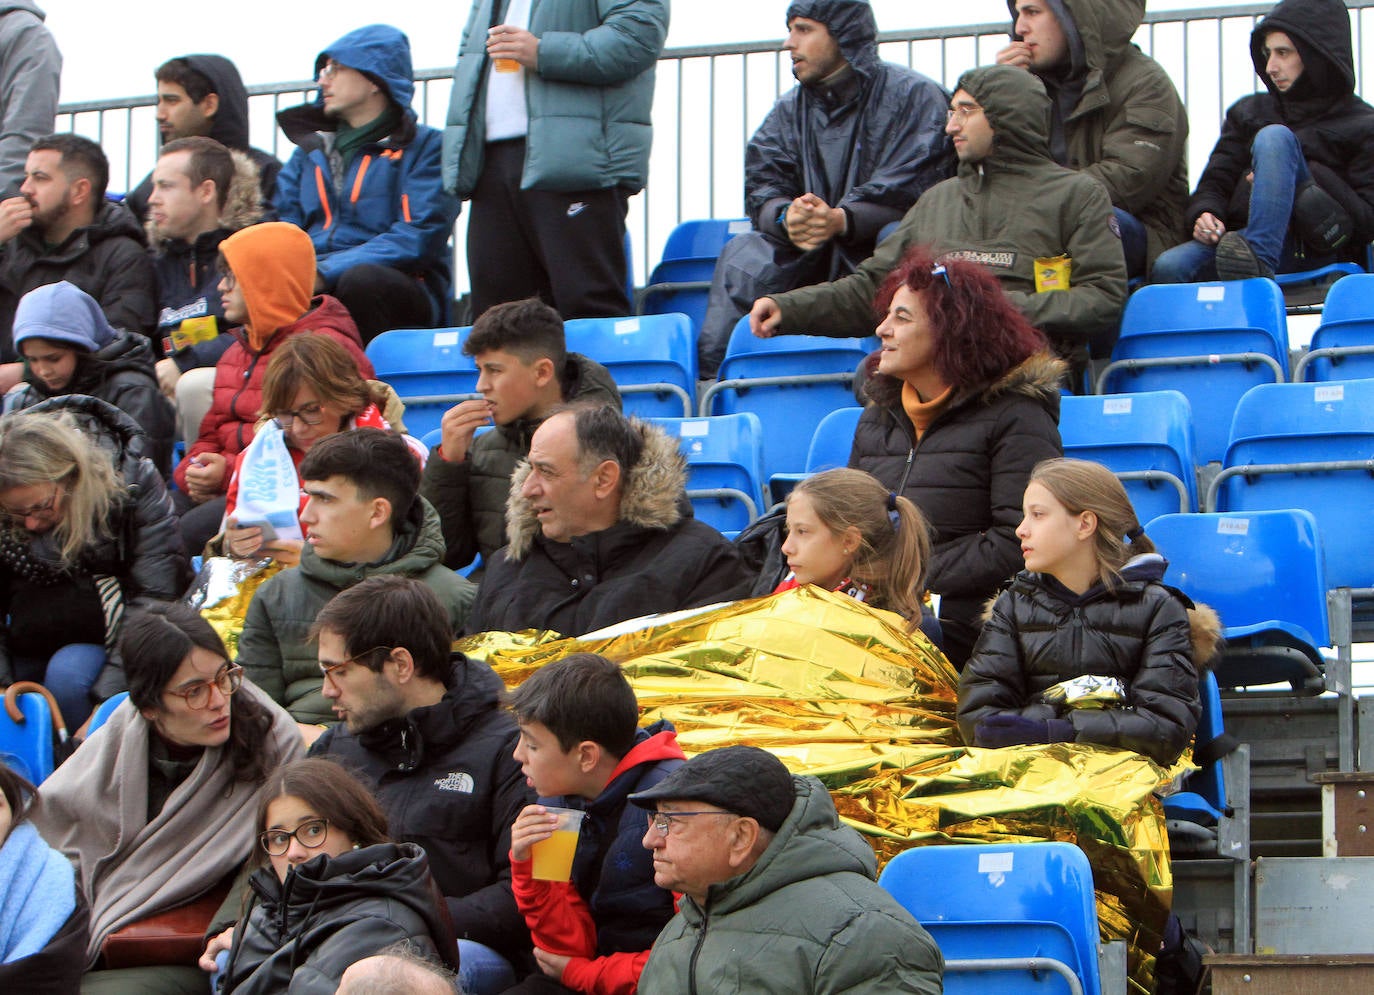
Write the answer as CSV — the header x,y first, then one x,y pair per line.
x,y
274,263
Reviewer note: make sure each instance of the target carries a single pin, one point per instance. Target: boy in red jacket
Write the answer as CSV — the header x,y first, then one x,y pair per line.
x,y
580,748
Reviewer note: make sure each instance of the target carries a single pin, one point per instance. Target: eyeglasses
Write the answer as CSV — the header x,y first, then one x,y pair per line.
x,y
962,113
228,679
329,70
332,671
664,821
35,511
227,277
310,834
311,414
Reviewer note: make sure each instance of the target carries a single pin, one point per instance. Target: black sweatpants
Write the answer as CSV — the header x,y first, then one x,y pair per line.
x,y
381,298
566,248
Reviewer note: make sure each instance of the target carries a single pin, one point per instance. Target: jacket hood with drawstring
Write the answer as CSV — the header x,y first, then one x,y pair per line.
x,y
274,263
1016,106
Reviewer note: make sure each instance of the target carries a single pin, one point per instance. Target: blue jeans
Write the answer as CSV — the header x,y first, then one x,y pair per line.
x,y
481,970
69,674
1277,160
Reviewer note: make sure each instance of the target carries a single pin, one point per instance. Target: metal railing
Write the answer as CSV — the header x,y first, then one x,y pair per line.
x,y
709,100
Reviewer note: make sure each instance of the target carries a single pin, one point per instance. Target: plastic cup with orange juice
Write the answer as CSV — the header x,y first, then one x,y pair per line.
x,y
553,857
505,65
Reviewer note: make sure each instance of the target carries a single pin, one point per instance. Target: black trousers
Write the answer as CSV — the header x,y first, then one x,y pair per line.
x,y
381,298
566,248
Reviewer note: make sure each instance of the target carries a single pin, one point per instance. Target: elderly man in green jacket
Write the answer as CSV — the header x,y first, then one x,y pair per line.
x,y
1047,233
778,895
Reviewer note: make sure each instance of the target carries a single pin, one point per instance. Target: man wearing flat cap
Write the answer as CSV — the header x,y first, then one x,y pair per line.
x,y
777,894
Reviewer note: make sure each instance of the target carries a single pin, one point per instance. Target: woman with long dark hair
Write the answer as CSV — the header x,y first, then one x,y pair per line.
x,y
963,403
156,808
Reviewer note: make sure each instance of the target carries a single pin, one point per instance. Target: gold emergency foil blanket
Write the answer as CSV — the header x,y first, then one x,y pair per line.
x,y
841,691
222,592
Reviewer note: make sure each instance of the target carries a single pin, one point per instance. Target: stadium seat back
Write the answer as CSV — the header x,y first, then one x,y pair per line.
x,y
26,747
427,369
652,357
724,467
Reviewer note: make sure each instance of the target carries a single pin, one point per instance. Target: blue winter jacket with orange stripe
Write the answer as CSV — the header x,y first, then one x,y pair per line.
x,y
388,205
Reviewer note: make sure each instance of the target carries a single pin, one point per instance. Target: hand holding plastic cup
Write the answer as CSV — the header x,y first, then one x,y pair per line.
x,y
503,65
553,857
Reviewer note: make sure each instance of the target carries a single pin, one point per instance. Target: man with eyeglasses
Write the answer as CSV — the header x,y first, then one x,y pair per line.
x,y
363,518
364,182
424,728
778,895
1046,232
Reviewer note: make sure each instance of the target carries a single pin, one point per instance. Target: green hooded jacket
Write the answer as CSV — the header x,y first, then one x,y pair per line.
x,y
1005,211
275,650
807,918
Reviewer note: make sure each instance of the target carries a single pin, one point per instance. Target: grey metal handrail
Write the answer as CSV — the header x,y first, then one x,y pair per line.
x,y
1032,964
1328,352
745,383
1211,359
1259,469
1159,477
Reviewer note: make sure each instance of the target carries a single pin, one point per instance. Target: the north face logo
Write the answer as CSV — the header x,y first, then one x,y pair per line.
x,y
457,781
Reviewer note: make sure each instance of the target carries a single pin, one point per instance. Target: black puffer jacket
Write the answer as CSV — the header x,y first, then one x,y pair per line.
x,y
107,259
656,558
869,142
470,496
446,779
1335,127
50,607
301,934
121,374
1040,633
967,475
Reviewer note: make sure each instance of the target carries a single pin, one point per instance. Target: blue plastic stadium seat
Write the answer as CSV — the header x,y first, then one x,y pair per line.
x,y
1264,573
682,279
830,446
103,712
1211,341
1314,443
1145,439
427,369
652,357
1203,799
791,382
1320,275
1003,902
26,746
724,467
1342,347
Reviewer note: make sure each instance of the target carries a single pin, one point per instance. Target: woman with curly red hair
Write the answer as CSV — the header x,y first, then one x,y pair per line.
x,y
963,402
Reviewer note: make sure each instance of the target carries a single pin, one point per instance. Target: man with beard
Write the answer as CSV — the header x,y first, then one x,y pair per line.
x,y
841,155
423,727
203,95
364,183
61,228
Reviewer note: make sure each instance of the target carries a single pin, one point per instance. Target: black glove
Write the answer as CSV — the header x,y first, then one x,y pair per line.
x,y
1009,729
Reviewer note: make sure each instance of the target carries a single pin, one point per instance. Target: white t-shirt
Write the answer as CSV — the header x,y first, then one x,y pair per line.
x,y
508,115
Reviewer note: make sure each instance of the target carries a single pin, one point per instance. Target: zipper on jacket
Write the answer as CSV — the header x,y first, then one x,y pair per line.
x,y
324,197
1077,641
696,952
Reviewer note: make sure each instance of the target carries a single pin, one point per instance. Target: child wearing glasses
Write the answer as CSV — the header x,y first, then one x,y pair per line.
x,y
156,808
330,888
268,293
580,747
312,390
86,531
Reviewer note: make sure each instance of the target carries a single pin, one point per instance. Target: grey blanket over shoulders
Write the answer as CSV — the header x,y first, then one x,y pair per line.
x,y
94,809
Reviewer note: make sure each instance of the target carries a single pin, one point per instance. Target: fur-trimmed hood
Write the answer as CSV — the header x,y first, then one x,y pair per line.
x,y
242,208
1037,377
651,496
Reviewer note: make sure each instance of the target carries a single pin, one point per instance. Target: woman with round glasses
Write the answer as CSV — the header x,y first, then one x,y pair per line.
x,y
330,889
156,808
312,390
86,531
